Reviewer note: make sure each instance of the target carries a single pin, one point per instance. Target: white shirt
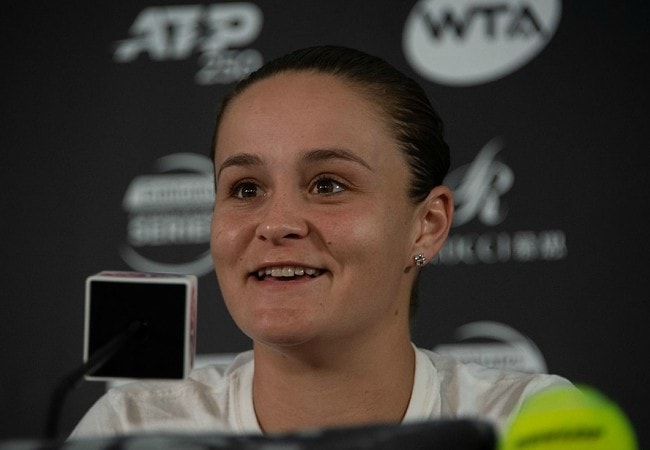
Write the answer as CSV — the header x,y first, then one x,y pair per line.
x,y
215,399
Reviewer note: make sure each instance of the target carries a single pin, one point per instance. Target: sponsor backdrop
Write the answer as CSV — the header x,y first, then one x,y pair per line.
x,y
107,127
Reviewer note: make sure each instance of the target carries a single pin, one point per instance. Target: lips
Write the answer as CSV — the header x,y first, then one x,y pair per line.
x,y
286,272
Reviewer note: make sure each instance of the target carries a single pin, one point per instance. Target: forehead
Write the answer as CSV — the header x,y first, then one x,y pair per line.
x,y
307,104
306,88
279,121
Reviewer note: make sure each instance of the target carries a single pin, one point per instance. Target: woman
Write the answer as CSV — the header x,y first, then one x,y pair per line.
x,y
329,200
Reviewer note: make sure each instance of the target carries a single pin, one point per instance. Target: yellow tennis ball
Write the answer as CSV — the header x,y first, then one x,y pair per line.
x,y
569,418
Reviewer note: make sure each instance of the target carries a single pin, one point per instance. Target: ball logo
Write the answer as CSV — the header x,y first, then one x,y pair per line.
x,y
499,346
470,42
169,213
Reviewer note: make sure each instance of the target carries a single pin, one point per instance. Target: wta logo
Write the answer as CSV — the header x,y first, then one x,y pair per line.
x,y
470,42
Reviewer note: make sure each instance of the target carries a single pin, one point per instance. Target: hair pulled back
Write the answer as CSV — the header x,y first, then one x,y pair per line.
x,y
415,124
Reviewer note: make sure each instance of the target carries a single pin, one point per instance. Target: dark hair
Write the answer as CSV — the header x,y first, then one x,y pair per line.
x,y
415,124
408,112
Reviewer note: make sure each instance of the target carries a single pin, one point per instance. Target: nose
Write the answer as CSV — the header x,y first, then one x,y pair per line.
x,y
282,219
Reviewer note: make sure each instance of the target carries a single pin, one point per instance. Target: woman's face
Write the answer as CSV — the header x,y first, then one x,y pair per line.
x,y
312,228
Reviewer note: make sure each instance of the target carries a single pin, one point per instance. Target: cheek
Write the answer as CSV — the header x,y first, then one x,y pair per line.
x,y
215,235
388,244
366,233
226,245
225,239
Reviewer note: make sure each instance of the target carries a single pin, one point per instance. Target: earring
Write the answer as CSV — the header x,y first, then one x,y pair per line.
x,y
420,260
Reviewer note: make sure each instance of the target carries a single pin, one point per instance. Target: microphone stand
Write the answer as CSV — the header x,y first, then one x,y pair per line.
x,y
94,362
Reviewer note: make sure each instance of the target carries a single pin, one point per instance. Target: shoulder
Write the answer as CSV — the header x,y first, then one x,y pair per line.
x,y
201,401
472,390
451,370
208,379
218,371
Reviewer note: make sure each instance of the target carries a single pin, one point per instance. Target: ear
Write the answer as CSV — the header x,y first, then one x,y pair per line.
x,y
434,215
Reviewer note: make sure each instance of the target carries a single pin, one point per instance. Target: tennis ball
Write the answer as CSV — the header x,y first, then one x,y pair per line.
x,y
569,418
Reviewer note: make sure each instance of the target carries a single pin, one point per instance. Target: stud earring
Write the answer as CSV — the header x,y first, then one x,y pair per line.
x,y
420,260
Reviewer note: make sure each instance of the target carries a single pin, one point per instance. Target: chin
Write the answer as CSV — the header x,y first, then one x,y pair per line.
x,y
282,335
285,342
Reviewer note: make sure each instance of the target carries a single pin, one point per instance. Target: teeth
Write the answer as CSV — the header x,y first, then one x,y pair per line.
x,y
287,271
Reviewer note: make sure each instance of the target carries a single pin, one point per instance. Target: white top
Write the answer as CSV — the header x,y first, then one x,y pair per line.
x,y
220,399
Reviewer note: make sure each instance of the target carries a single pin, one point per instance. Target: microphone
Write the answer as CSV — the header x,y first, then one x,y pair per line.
x,y
566,418
137,325
163,309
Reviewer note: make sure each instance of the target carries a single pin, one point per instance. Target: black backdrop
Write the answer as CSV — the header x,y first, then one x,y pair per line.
x,y
564,263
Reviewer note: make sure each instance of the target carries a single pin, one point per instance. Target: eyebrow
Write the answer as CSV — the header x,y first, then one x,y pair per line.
x,y
248,159
334,153
240,159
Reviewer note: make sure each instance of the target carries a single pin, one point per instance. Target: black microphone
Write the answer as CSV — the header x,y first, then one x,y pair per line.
x,y
137,325
165,307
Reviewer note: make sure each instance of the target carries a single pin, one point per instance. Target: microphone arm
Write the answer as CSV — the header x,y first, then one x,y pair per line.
x,y
94,362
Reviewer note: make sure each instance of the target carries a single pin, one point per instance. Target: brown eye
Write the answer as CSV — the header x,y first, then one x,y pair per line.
x,y
327,186
247,190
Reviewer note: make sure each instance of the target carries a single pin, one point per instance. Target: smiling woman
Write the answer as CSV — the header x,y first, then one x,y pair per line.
x,y
329,200
330,193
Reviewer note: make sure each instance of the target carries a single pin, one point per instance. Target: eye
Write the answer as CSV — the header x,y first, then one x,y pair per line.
x,y
327,186
246,189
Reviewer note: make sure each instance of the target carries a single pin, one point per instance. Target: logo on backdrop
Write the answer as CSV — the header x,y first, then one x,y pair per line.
x,y
478,189
219,33
470,42
169,209
496,345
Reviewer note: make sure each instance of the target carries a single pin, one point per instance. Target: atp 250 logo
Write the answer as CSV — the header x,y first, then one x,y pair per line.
x,y
219,33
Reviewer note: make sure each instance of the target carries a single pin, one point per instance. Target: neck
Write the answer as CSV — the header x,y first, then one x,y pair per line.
x,y
347,384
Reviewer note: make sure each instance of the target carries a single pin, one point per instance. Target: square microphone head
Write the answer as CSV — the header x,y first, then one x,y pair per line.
x,y
151,315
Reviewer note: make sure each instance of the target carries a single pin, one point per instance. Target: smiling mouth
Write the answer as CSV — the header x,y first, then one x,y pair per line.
x,y
287,273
